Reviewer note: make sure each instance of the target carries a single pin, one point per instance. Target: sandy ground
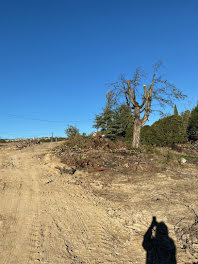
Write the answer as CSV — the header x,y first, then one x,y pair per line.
x,y
48,216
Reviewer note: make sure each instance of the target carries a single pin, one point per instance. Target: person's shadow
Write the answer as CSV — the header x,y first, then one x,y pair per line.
x,y
159,246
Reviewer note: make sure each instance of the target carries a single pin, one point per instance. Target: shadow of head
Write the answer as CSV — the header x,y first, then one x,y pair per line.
x,y
161,230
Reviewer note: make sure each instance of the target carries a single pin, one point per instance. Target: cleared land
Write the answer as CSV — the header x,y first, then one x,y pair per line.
x,y
49,215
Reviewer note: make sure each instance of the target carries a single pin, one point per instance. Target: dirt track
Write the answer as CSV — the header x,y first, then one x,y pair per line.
x,y
49,217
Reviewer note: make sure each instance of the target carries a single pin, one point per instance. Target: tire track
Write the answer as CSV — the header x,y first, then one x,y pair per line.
x,y
56,223
36,240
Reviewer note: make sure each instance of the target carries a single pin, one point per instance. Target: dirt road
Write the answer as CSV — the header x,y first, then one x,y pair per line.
x,y
43,219
49,217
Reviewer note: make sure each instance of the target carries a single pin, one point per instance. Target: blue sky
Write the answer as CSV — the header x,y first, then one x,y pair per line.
x,y
57,57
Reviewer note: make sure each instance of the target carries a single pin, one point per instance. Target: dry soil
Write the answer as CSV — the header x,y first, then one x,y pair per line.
x,y
50,216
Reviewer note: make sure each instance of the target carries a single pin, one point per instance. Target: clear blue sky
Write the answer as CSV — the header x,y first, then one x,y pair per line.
x,y
56,57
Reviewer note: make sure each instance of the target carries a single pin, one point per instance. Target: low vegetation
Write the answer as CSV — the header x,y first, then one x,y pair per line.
x,y
97,151
116,122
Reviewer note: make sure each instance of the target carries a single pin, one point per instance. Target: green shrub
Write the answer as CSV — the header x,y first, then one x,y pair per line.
x,y
164,132
88,142
72,131
193,125
147,135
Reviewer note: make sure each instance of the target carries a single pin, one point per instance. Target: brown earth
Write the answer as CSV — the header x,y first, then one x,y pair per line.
x,y
49,215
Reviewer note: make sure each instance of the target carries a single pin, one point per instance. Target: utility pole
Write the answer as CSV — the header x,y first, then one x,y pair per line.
x,y
52,137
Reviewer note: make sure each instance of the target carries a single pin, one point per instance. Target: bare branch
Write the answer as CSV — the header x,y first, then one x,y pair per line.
x,y
158,89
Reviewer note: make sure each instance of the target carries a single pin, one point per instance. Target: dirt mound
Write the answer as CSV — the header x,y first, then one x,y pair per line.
x,y
26,143
99,158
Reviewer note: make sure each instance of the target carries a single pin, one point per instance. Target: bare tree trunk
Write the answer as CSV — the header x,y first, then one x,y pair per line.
x,y
136,134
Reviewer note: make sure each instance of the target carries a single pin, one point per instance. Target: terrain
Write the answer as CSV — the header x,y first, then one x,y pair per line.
x,y
53,213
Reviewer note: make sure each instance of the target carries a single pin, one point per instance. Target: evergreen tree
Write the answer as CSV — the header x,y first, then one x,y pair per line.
x,y
103,120
114,121
175,111
193,125
121,121
177,120
147,135
185,120
166,131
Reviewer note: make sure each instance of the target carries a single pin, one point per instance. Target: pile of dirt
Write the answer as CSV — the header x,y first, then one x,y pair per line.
x,y
92,142
81,152
26,143
114,159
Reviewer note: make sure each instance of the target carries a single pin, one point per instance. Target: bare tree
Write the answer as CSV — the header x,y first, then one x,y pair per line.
x,y
157,90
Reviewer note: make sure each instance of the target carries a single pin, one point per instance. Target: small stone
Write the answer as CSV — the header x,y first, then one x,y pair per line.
x,y
182,160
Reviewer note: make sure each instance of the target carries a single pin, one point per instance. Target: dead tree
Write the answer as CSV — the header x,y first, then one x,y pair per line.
x,y
158,90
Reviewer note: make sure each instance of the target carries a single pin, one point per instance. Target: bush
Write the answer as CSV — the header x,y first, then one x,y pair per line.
x,y
168,131
79,141
72,131
164,132
193,125
90,142
147,135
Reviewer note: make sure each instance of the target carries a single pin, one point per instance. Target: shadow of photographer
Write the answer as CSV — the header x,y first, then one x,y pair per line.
x,y
159,246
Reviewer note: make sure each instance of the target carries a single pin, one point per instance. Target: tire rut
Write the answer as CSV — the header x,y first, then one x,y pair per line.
x,y
36,240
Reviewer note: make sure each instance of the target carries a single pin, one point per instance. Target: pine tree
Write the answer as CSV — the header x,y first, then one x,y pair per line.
x,y
114,121
175,111
121,121
103,120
